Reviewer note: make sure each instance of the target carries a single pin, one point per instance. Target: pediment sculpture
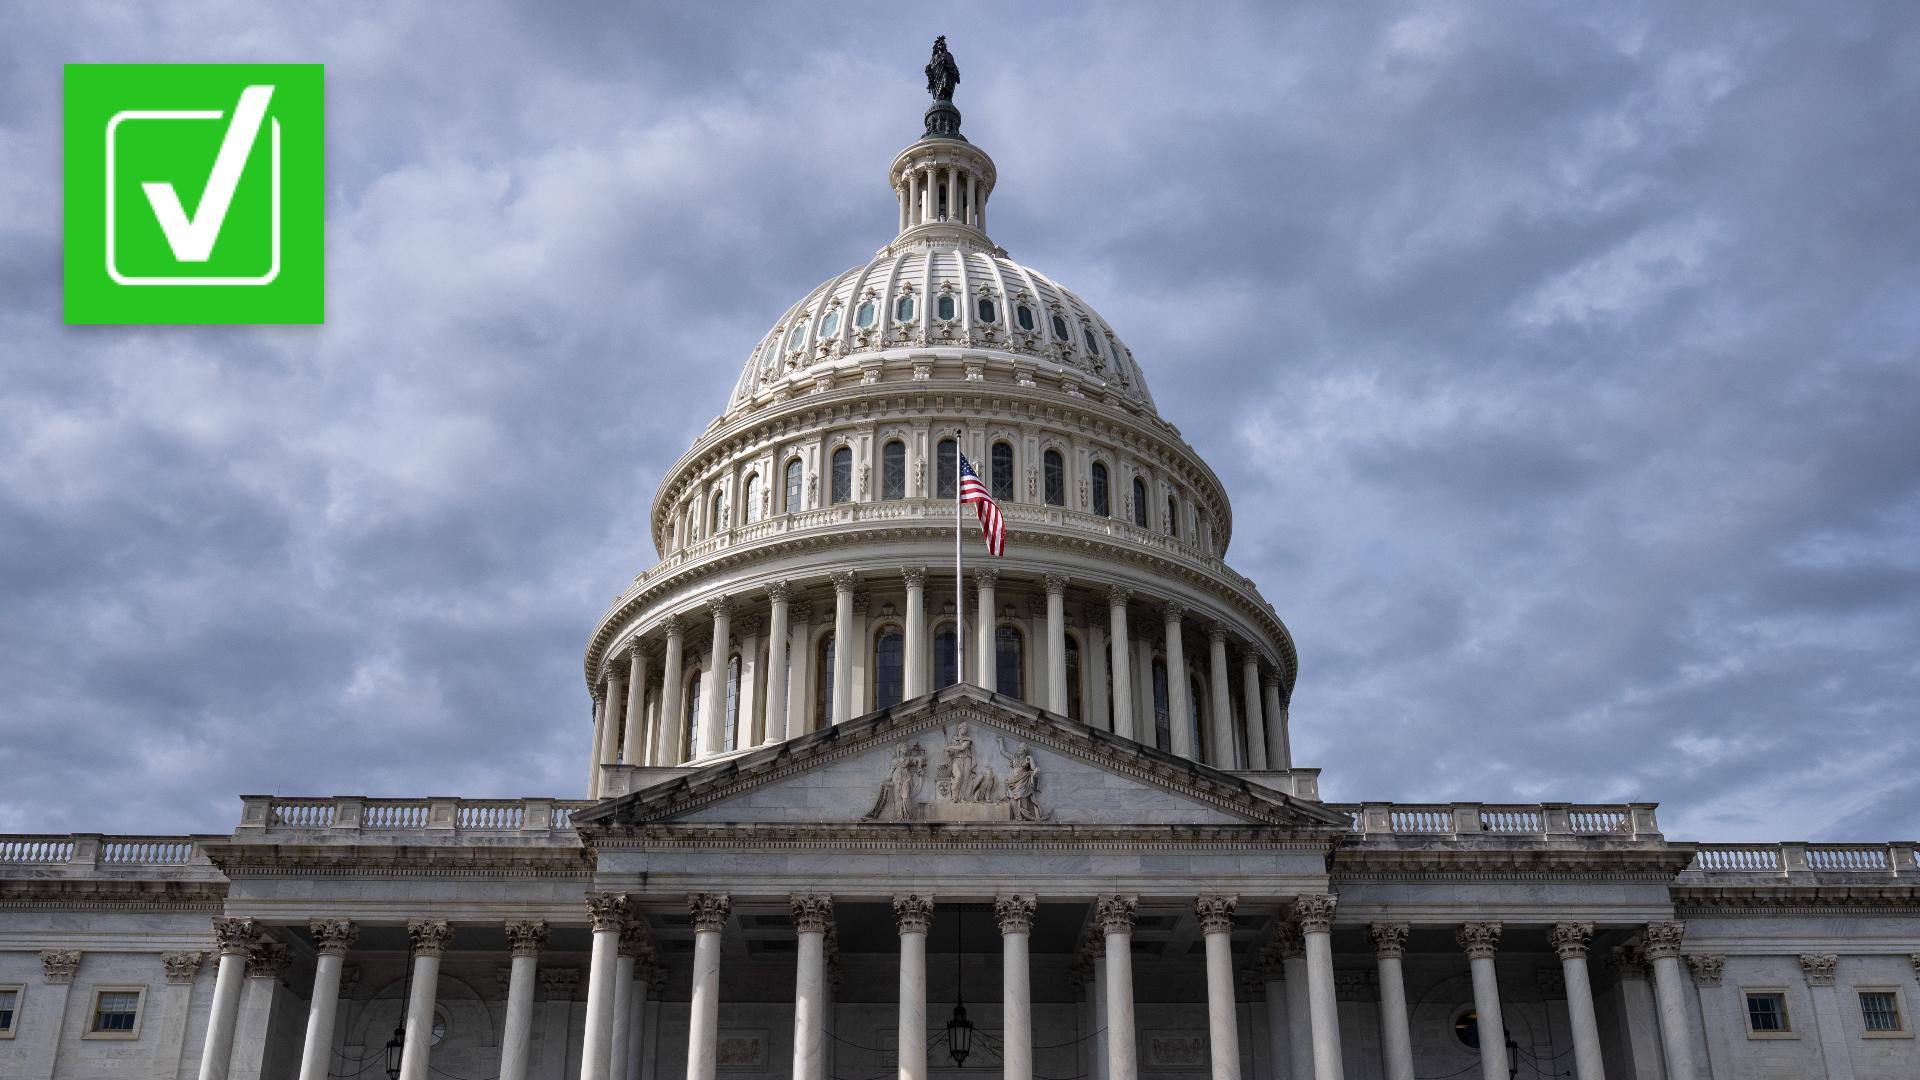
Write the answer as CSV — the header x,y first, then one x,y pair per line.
x,y
964,787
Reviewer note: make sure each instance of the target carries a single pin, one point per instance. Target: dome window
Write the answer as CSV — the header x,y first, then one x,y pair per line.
x,y
1024,316
829,324
797,338
1055,468
903,309
986,310
863,316
1093,343
944,307
1060,329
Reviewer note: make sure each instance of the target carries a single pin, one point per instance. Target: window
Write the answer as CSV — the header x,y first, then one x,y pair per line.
x,y
1767,1013
903,309
945,307
889,673
1093,344
116,1013
750,499
1055,468
1466,1028
946,656
1140,502
797,338
986,310
1102,505
863,315
1003,472
945,469
1880,1012
1060,329
893,470
9,1008
1006,662
1024,316
732,738
1073,677
717,517
1173,516
823,684
829,324
794,474
692,710
842,475
1162,717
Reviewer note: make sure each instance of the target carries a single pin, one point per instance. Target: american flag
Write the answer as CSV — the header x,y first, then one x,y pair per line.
x,y
993,528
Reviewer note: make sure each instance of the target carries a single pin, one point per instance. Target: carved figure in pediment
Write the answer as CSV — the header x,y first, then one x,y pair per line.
x,y
1023,784
899,797
965,779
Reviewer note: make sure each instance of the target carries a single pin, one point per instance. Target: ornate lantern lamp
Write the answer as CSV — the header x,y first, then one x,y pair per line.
x,y
959,1029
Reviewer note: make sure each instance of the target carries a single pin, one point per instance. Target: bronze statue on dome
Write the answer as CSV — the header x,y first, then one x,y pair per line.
x,y
942,73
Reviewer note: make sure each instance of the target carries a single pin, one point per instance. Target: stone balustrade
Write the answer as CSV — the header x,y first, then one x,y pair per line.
x,y
352,814
1796,860
1631,821
93,851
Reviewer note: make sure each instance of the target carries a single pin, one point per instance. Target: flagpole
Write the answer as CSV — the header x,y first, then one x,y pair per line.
x,y
959,580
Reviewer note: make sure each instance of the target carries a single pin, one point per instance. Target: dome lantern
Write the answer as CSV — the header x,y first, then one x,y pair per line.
x,y
942,181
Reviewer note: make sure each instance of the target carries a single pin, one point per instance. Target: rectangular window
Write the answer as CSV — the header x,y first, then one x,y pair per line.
x,y
1880,1010
1767,1013
9,1008
116,1012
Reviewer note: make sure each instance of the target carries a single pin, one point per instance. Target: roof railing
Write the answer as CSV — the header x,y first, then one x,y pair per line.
x,y
1633,821
349,814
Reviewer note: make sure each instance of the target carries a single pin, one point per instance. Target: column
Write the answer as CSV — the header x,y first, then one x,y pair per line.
x,y
1279,1045
747,724
811,916
558,986
860,657
800,670
1279,750
525,938
1570,942
912,915
844,646
428,938
1481,940
1116,915
1056,586
181,969
1223,755
1707,971
709,912
1250,695
632,747
986,671
1097,955
599,737
713,681
916,668
671,732
232,937
266,960
1015,916
1223,1022
633,949
1676,1037
331,940
637,1027
1178,716
1396,1042
1291,947
57,969
1315,916
781,594
607,915
616,710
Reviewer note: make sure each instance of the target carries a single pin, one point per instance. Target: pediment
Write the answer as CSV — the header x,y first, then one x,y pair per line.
x,y
957,757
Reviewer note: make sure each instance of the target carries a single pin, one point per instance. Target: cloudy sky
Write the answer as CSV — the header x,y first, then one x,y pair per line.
x,y
1560,363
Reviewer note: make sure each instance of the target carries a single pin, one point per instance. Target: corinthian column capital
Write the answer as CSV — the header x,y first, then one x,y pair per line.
x,y
1389,938
1215,913
912,913
1570,940
719,606
843,580
1055,584
181,967
333,936
1707,970
1314,912
914,576
526,937
709,910
1480,939
429,937
812,913
606,911
986,577
1819,968
1117,914
57,966
234,935
1014,914
1662,939
1118,595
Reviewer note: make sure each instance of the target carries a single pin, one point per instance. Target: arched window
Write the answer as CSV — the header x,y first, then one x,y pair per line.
x,y
986,310
1060,329
946,656
1073,678
1173,516
798,337
1003,471
750,499
829,324
1024,316
1093,344
1162,717
1055,468
889,672
903,309
944,307
842,474
1006,662
688,736
1139,502
823,684
717,520
1102,505
893,470
732,740
945,468
863,315
795,472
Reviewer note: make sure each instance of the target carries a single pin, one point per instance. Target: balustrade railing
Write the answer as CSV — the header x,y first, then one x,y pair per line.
x,y
1628,820
1790,859
93,851
432,816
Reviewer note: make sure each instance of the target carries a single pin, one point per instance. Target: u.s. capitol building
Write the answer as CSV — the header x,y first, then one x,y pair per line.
x,y
849,817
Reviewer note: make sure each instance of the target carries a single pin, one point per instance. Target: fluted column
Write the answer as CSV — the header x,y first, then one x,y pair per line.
x,y
915,683
713,681
1223,1015
428,938
709,912
637,1027
1279,748
1120,657
616,710
670,679
1481,940
1179,718
781,595
525,939
1222,694
843,646
746,707
912,916
607,915
331,940
1116,915
1396,1041
634,949
1669,987
232,936
811,916
1256,726
1290,946
1015,916
1570,942
633,746
599,739
1315,916
986,670
1056,586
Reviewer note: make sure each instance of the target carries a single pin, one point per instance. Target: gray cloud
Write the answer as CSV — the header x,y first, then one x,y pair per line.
x,y
1560,365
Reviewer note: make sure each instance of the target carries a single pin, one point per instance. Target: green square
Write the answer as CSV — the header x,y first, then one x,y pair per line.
x,y
194,193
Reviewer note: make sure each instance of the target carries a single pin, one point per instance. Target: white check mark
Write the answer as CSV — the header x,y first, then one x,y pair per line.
x,y
192,238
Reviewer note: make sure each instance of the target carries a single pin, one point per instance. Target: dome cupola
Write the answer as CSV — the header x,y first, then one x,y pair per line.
x,y
942,181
